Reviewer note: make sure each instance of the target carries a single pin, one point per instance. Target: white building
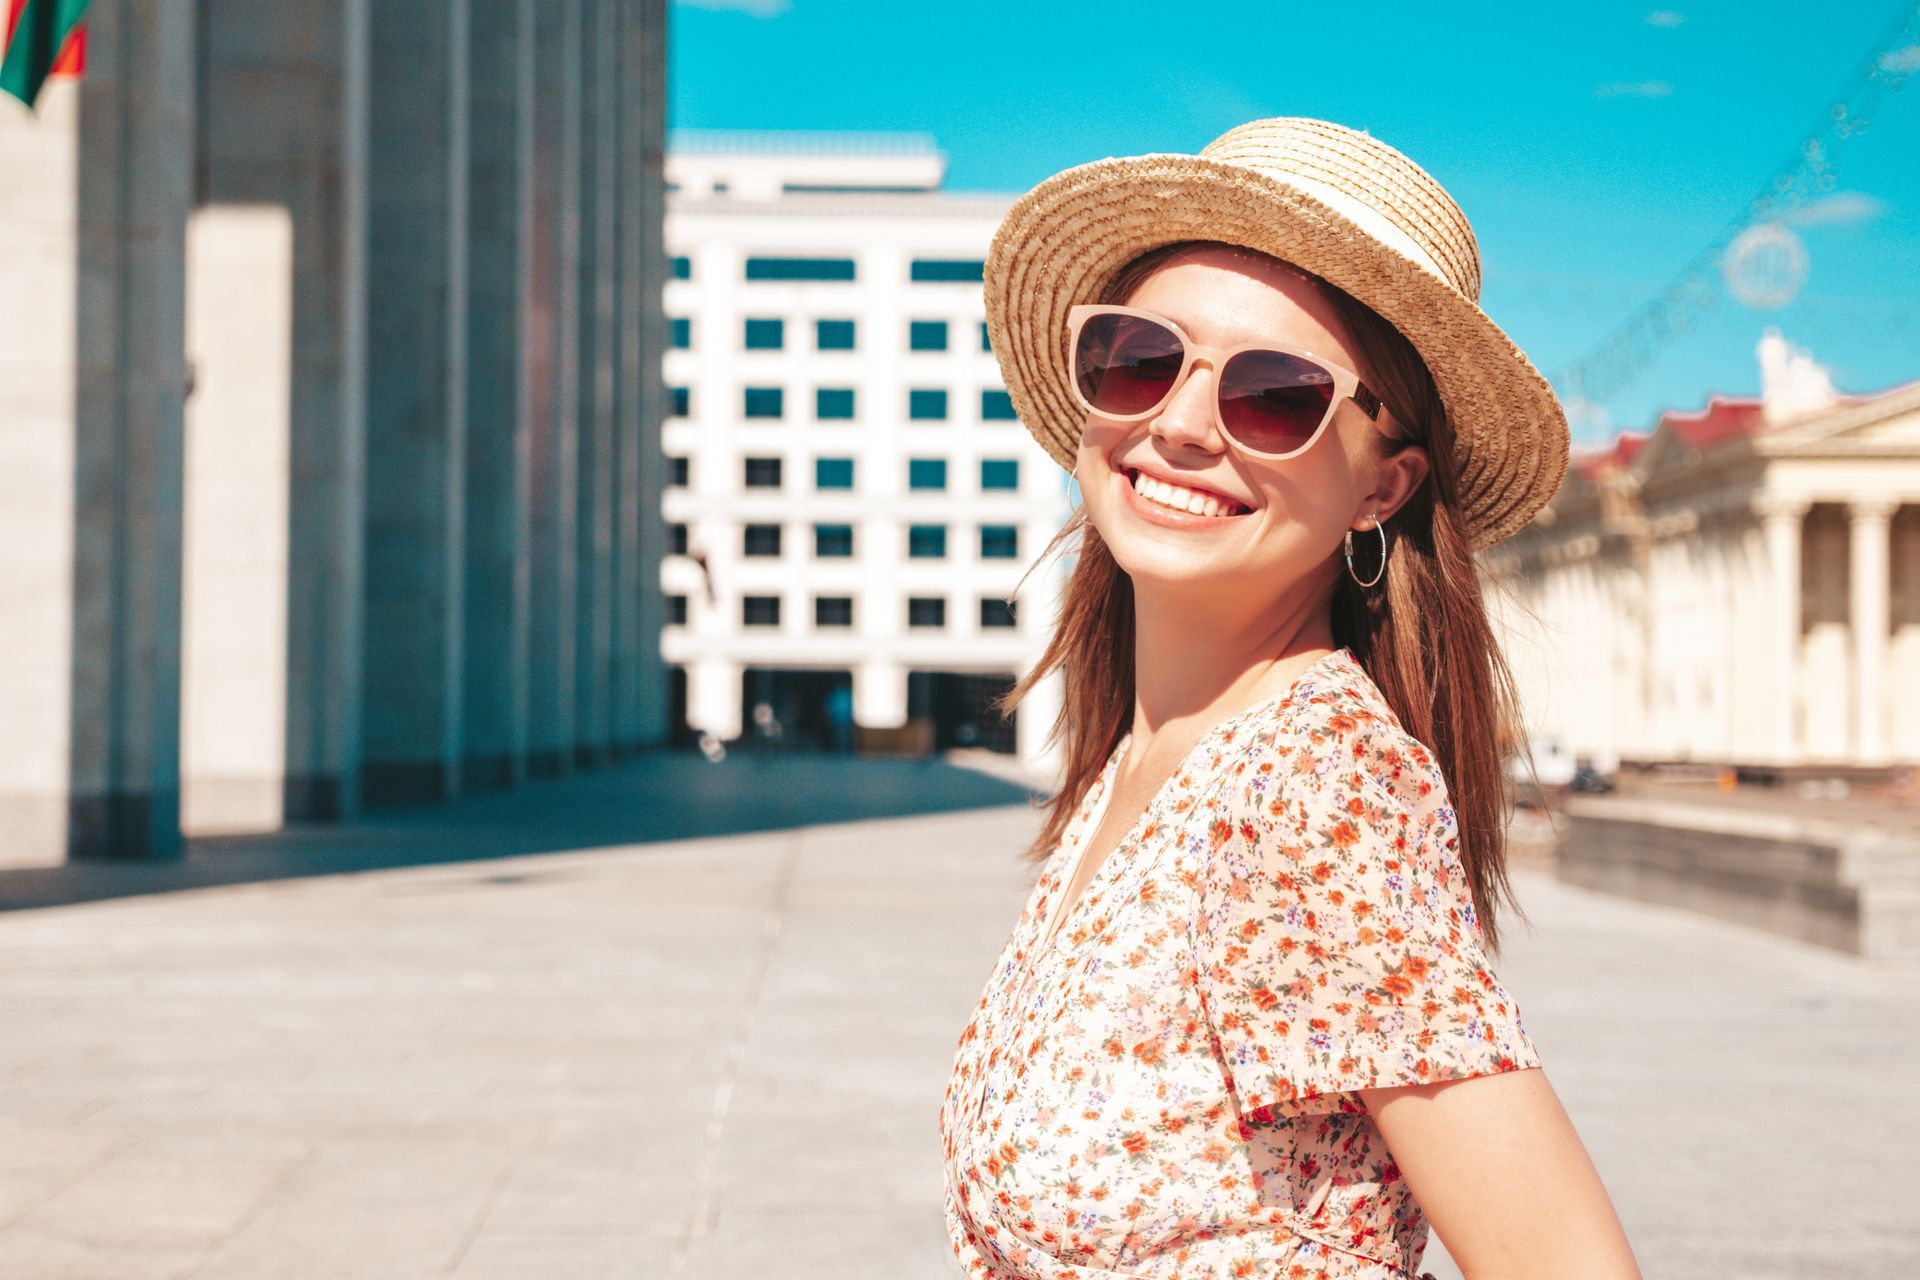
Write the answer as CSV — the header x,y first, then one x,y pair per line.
x,y
1739,586
843,458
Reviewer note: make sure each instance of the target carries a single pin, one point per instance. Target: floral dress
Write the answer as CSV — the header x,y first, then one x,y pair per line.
x,y
1168,1086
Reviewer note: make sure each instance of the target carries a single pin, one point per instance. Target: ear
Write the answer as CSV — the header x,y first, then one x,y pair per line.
x,y
1397,478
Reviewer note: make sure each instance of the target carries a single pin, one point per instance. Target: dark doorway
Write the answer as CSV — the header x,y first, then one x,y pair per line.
x,y
679,732
960,704
802,700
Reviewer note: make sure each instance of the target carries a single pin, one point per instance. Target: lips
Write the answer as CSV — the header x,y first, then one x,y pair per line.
x,y
1189,498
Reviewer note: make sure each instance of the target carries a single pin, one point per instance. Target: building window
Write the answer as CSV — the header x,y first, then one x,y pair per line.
x,y
832,541
926,611
761,541
833,404
833,473
676,611
999,473
833,611
763,473
800,268
682,401
986,343
926,405
759,611
677,472
682,333
927,335
948,271
833,335
927,541
995,612
926,473
766,335
996,406
677,538
682,268
763,402
999,542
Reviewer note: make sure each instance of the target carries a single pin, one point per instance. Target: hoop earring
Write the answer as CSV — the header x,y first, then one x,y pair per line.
x,y
1381,530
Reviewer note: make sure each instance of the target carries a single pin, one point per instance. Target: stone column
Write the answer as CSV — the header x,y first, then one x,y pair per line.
x,y
284,91
645,146
553,381
131,377
499,407
416,400
599,185
1868,617
1780,515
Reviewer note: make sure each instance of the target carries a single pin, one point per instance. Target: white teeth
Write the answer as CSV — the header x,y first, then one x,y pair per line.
x,y
1169,495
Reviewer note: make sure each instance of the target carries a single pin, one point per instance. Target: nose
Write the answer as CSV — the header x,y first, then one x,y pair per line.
x,y
1187,416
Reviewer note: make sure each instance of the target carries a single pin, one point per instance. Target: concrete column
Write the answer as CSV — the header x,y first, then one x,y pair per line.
x,y
499,405
629,234
648,81
553,380
713,697
1868,618
273,628
1780,515
1034,721
599,185
880,694
416,400
135,190
39,152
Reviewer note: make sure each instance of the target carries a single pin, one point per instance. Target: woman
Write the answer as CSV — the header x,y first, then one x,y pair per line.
x,y
1245,1026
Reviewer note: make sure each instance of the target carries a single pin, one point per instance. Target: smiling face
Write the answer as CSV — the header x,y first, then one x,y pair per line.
x,y
1269,523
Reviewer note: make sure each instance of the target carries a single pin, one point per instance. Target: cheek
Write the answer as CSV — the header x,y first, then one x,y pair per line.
x,y
1307,506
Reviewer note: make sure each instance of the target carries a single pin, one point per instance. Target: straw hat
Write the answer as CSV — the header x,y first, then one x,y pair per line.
x,y
1331,200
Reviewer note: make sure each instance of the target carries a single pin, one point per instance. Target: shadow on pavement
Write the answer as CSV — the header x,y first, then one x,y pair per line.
x,y
656,796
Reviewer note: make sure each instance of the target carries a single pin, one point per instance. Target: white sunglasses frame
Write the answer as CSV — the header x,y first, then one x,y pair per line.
x,y
1347,385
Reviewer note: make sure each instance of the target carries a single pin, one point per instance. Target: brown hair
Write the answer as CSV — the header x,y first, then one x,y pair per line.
x,y
1422,631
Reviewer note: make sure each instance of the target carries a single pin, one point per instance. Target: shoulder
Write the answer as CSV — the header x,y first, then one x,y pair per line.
x,y
1338,747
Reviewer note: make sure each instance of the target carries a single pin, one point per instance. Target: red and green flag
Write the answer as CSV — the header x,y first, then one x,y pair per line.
x,y
43,38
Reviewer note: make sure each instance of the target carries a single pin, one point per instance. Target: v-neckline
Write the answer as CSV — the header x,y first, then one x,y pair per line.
x,y
1061,911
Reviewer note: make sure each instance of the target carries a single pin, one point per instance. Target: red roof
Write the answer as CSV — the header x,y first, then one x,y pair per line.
x,y
1591,462
1724,418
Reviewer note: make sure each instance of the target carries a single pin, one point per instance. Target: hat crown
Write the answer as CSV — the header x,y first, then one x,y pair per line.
x,y
1357,174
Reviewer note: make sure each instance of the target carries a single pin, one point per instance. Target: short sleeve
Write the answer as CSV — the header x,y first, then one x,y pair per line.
x,y
1335,942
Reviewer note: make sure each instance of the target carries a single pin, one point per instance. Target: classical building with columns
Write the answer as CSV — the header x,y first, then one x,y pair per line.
x,y
329,413
1739,586
852,504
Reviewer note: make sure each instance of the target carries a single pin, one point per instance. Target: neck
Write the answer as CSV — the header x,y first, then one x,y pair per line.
x,y
1197,662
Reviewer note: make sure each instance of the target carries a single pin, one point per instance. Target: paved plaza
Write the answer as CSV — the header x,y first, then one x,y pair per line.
x,y
426,1047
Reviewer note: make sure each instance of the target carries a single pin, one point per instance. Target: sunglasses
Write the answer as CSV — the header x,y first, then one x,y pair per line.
x,y
1270,399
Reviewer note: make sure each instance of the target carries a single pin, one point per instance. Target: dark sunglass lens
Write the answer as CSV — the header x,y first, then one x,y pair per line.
x,y
1125,364
1273,402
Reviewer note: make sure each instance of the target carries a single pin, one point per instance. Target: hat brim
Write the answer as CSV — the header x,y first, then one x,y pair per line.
x,y
1063,242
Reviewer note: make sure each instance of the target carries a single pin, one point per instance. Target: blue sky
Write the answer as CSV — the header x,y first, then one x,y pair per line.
x,y
1596,152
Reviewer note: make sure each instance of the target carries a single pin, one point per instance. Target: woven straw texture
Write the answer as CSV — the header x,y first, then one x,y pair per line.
x,y
1259,185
